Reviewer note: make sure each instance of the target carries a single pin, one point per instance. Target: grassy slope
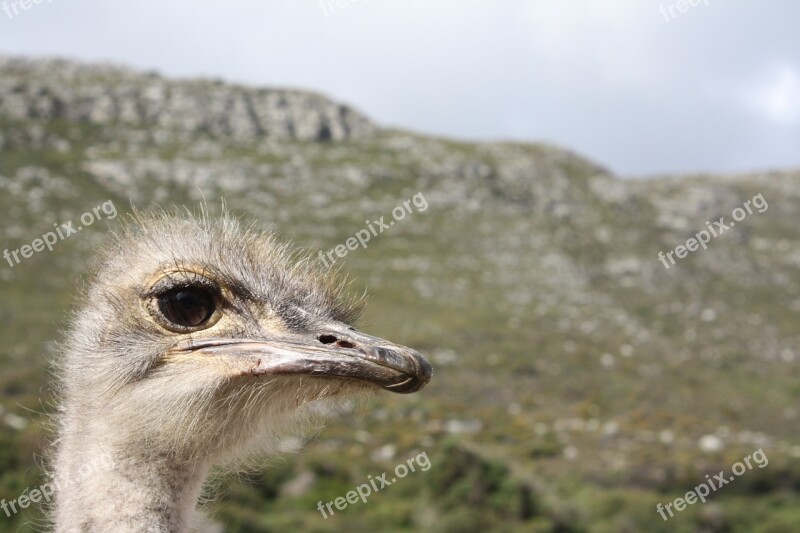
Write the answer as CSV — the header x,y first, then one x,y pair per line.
x,y
519,289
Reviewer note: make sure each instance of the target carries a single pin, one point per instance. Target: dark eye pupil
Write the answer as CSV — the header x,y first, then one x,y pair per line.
x,y
186,307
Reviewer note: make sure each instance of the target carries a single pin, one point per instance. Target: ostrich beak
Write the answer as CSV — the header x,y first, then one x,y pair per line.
x,y
337,351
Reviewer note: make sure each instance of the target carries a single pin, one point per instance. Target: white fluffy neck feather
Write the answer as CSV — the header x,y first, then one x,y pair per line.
x,y
101,488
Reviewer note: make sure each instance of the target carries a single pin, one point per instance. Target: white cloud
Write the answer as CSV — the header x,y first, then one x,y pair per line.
x,y
776,95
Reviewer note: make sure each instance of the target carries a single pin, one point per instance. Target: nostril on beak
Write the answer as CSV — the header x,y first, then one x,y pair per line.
x,y
327,339
331,339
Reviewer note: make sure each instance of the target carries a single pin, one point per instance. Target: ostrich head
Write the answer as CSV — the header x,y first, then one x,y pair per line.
x,y
197,341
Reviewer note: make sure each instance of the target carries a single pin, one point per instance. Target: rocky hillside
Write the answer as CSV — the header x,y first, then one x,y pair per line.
x,y
52,90
579,381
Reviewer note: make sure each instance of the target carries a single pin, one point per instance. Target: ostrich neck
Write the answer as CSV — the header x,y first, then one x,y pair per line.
x,y
102,486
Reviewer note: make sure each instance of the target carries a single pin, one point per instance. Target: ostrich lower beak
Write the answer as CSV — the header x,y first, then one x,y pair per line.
x,y
338,352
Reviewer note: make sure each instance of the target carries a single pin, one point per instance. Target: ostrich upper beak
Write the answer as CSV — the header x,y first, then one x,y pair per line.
x,y
336,351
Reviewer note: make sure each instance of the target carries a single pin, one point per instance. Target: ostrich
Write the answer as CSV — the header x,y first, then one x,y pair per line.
x,y
199,342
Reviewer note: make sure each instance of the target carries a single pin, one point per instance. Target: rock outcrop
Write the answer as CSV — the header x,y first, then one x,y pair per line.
x,y
57,89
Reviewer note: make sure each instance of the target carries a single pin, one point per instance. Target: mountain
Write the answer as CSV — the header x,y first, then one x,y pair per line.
x,y
579,381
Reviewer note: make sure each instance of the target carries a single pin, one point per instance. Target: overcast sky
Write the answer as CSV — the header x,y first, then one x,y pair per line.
x,y
636,85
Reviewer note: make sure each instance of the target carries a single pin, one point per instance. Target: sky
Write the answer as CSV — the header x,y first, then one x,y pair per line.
x,y
642,87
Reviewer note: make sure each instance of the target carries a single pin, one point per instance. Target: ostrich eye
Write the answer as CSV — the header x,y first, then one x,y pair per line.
x,y
187,307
